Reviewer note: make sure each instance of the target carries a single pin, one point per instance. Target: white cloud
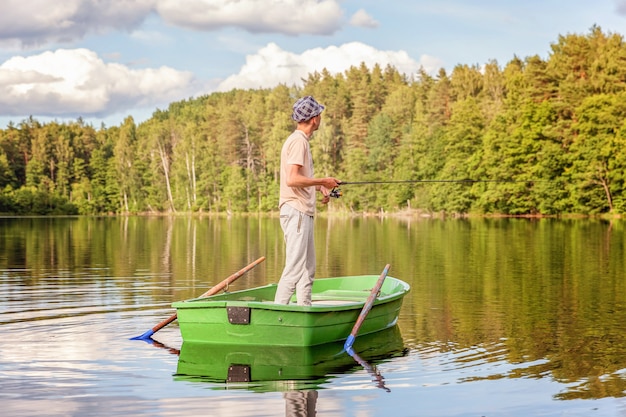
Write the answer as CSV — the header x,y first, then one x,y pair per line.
x,y
38,22
362,19
77,82
290,17
34,23
271,65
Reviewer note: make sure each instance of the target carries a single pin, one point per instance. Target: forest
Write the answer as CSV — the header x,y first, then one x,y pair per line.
x,y
534,137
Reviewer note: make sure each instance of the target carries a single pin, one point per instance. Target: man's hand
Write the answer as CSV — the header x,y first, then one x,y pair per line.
x,y
326,193
330,182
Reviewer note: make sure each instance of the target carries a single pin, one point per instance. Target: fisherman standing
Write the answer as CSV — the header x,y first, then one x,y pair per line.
x,y
297,202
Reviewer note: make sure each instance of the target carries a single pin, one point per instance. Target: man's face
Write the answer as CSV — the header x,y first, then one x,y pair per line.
x,y
317,120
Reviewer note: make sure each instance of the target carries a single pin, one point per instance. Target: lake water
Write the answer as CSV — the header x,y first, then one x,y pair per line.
x,y
506,317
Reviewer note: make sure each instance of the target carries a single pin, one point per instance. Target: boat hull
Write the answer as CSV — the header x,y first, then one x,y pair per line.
x,y
250,317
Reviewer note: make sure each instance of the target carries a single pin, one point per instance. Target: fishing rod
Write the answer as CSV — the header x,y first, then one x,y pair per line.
x,y
336,192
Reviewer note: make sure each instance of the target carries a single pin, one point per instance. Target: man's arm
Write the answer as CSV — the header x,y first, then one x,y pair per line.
x,y
297,180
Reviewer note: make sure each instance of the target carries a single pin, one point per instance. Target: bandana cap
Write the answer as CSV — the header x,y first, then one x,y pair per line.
x,y
306,108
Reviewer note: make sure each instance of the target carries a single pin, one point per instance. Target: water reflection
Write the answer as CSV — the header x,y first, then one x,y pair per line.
x,y
297,372
527,312
372,370
300,403
278,368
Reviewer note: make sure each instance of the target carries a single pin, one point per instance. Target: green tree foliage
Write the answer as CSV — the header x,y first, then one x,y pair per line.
x,y
598,153
542,136
124,155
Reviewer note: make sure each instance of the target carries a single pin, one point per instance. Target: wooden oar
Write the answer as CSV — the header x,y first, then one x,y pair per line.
x,y
366,309
210,292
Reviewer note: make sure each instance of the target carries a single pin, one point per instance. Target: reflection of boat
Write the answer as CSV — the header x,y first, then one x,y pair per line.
x,y
283,367
250,317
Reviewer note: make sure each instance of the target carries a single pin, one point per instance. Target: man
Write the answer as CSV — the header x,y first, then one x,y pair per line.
x,y
297,203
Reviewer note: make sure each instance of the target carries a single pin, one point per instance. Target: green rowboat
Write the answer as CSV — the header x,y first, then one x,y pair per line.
x,y
250,317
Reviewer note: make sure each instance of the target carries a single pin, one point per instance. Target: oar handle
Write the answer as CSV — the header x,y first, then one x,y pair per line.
x,y
214,290
366,309
164,323
225,283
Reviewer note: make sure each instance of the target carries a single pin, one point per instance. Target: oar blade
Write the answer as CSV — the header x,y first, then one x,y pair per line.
x,y
146,336
347,346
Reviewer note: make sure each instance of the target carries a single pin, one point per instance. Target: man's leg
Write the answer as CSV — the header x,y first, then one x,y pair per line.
x,y
296,242
304,286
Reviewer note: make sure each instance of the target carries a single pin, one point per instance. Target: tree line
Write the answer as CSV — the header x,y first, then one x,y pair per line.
x,y
536,136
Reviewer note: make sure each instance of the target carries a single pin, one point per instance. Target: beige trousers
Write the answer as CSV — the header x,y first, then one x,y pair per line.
x,y
299,257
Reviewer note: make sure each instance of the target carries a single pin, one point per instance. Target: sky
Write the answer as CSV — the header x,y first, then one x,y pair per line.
x,y
105,60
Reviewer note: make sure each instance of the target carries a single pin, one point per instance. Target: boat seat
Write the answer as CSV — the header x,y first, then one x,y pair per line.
x,y
340,295
331,302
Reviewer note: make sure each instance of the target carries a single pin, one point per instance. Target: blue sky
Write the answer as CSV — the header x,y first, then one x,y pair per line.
x,y
104,60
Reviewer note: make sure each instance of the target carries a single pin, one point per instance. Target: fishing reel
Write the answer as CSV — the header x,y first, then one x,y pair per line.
x,y
335,193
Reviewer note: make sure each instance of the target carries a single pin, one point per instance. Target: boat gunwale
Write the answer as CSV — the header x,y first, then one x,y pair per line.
x,y
208,302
